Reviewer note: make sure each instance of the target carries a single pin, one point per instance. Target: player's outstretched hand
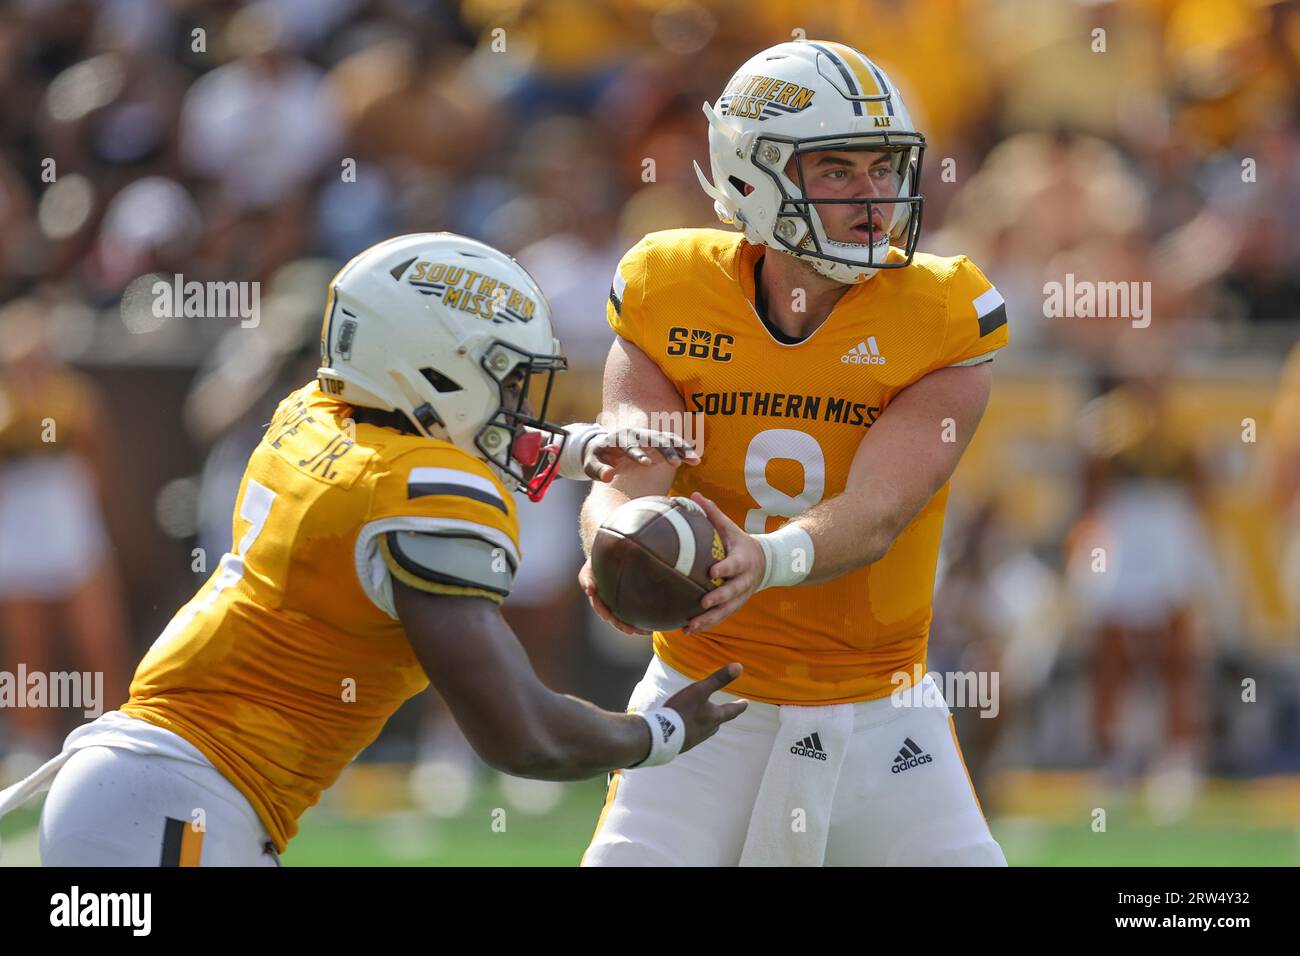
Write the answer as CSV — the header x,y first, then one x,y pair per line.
x,y
702,717
587,581
742,568
617,451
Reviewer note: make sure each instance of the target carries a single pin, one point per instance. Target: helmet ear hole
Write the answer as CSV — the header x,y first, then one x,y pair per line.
x,y
441,383
740,185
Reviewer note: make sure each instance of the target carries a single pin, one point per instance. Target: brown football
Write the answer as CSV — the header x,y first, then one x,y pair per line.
x,y
651,559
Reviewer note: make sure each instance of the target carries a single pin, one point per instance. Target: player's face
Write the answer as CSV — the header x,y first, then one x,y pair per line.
x,y
512,386
849,174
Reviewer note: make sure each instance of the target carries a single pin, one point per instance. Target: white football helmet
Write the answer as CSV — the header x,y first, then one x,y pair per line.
x,y
801,97
431,325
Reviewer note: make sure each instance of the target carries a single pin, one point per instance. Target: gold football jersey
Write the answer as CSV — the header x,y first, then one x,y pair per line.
x,y
289,660
779,425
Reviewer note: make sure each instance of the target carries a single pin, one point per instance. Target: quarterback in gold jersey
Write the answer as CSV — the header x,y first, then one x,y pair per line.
x,y
838,374
376,535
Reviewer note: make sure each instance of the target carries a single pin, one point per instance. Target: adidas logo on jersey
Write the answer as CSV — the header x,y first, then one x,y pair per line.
x,y
810,746
864,353
909,756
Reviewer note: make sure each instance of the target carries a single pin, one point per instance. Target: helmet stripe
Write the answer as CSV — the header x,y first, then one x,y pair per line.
x,y
889,103
325,358
868,79
844,72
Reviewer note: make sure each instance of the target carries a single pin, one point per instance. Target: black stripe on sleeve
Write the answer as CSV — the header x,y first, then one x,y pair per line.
x,y
419,489
993,320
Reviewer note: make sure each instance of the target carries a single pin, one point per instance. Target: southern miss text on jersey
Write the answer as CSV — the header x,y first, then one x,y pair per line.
x,y
781,424
289,660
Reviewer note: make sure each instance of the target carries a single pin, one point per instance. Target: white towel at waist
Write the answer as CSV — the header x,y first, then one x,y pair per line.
x,y
113,729
792,813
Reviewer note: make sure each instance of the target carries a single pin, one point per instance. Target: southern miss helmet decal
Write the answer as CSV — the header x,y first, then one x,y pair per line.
x,y
754,96
476,293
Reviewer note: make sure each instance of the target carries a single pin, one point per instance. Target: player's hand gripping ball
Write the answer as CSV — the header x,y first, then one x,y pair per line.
x,y
651,559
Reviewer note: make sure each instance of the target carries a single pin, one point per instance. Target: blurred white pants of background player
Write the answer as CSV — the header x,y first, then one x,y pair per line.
x,y
52,536
123,778
696,810
1160,557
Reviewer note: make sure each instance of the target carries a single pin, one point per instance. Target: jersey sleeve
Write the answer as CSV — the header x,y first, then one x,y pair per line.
x,y
625,309
439,521
977,318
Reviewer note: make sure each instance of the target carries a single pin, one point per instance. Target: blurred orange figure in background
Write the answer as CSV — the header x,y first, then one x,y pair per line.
x,y
56,561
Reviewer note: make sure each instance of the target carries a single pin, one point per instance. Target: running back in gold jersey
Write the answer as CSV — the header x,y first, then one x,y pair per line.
x,y
780,426
289,660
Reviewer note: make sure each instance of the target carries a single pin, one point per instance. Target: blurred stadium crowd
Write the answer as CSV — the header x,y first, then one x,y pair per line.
x,y
270,141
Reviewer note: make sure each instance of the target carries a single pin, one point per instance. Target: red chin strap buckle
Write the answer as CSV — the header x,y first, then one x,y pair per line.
x,y
528,450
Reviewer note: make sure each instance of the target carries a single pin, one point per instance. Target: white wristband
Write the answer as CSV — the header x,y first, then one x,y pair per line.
x,y
789,553
575,448
667,733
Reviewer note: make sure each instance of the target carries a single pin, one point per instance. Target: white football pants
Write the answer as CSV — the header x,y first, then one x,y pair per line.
x,y
887,810
124,792
112,807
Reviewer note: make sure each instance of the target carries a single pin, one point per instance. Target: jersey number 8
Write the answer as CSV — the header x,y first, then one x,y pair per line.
x,y
773,445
